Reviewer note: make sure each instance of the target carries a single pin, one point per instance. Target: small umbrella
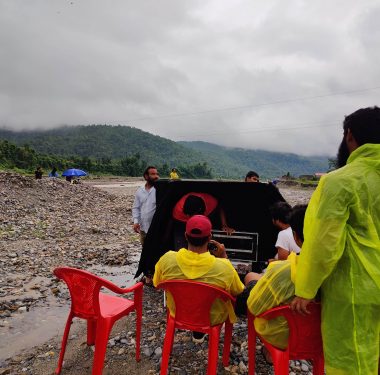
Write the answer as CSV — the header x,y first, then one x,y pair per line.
x,y
74,172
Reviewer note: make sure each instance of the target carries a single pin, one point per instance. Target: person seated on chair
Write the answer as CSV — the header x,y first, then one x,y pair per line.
x,y
197,263
273,288
195,204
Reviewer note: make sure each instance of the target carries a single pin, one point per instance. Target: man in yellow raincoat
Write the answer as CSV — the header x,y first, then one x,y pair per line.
x,y
341,252
197,263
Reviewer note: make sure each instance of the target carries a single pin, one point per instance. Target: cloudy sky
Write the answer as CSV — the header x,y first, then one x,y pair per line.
x,y
264,74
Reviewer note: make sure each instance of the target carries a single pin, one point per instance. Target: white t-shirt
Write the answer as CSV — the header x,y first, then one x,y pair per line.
x,y
286,241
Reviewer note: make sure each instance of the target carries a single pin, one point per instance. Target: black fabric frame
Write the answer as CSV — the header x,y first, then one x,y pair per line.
x,y
246,206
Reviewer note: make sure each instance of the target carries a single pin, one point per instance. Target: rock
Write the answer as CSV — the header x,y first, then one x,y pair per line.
x,y
234,369
304,367
243,368
147,352
55,290
158,352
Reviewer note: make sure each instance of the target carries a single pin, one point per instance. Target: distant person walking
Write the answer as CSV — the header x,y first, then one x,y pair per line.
x,y
38,173
53,172
341,251
144,205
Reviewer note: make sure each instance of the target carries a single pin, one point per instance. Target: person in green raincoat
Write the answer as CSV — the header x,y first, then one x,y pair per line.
x,y
341,252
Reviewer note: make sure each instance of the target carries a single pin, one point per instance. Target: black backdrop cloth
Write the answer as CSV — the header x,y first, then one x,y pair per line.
x,y
246,206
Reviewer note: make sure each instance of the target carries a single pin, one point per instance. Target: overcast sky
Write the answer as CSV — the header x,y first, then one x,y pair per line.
x,y
265,74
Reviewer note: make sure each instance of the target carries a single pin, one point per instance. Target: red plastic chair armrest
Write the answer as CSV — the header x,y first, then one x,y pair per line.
x,y
114,288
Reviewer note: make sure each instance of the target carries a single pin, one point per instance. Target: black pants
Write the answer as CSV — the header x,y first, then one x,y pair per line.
x,y
241,299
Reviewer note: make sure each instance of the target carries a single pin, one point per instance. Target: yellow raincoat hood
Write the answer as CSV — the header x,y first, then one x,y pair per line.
x,y
186,264
194,265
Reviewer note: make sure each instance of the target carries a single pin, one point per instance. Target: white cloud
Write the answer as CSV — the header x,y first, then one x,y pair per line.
x,y
137,63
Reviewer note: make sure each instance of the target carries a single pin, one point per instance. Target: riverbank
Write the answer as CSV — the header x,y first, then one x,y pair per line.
x,y
48,223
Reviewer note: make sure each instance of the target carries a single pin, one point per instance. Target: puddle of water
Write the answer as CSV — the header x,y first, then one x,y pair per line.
x,y
26,330
32,328
121,276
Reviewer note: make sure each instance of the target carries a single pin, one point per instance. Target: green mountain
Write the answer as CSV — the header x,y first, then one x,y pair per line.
x,y
104,142
235,162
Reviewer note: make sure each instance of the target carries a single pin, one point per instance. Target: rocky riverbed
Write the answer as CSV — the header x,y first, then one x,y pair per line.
x,y
48,223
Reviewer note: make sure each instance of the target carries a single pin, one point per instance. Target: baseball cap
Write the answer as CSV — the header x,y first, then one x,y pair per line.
x,y
198,226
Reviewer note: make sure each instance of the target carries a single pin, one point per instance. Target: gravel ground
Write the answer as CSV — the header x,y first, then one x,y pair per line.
x,y
48,223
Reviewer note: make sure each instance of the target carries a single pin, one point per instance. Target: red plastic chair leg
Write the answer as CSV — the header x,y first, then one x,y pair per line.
x,y
318,366
227,343
138,326
104,327
280,361
64,342
251,346
213,346
91,331
168,343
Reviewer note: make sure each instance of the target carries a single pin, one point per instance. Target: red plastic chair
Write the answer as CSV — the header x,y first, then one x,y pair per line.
x,y
305,341
193,301
100,310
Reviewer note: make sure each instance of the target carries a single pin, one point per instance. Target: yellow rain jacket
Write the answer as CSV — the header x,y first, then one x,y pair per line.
x,y
186,264
275,288
341,255
174,176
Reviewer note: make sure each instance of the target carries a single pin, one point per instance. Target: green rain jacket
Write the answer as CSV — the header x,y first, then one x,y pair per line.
x,y
341,255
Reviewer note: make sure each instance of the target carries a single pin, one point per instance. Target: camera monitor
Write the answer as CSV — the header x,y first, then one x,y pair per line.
x,y
240,246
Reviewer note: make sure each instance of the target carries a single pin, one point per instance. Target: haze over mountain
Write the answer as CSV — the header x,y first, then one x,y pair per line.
x,y
116,142
263,74
238,161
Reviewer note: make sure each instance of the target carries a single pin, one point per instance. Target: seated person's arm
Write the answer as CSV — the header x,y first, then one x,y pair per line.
x,y
282,253
223,220
220,250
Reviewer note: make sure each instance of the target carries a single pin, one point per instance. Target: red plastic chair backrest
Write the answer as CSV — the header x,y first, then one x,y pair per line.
x,y
304,330
193,300
84,290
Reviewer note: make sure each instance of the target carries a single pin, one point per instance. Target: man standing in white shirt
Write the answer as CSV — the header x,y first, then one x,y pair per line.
x,y
144,205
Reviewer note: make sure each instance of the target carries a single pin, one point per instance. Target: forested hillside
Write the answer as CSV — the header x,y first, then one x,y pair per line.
x,y
237,161
125,150
25,159
104,141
